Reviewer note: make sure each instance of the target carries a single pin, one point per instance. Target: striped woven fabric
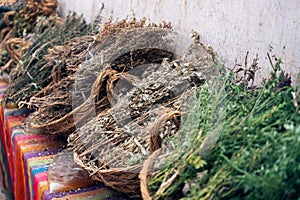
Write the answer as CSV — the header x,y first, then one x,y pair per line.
x,y
25,159
24,165
4,175
93,192
36,163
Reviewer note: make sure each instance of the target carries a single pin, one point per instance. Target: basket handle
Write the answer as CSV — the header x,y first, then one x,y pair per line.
x,y
158,125
144,175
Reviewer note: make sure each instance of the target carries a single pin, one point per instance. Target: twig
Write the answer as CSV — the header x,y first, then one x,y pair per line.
x,y
270,60
167,183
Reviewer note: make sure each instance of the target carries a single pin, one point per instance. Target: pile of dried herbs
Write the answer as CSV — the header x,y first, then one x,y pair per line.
x,y
45,80
33,72
17,23
257,155
113,144
71,62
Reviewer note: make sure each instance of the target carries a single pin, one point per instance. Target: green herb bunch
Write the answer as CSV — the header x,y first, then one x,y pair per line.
x,y
257,155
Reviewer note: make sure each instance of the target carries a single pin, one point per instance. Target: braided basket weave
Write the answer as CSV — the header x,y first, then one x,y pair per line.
x,y
113,145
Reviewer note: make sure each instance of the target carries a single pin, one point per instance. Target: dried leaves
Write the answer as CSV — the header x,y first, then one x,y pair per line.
x,y
146,101
34,72
65,61
18,22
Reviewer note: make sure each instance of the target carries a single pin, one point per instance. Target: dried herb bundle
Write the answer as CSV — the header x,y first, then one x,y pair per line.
x,y
17,24
62,97
34,71
146,102
26,19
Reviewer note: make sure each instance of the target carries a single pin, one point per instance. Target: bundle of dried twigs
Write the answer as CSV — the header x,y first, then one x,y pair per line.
x,y
64,98
146,105
34,71
26,19
18,21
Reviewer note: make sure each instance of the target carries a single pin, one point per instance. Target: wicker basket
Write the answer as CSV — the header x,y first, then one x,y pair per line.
x,y
113,145
110,166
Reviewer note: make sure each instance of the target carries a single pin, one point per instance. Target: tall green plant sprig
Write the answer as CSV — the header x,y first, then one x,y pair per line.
x,y
257,155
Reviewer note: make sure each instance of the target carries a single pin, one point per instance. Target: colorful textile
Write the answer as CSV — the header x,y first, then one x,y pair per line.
x,y
30,143
12,118
34,169
4,174
40,184
93,192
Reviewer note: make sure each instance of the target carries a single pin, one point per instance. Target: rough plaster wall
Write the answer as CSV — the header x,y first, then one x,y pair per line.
x,y
231,27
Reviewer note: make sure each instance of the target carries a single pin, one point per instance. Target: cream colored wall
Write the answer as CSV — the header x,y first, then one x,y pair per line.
x,y
231,27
